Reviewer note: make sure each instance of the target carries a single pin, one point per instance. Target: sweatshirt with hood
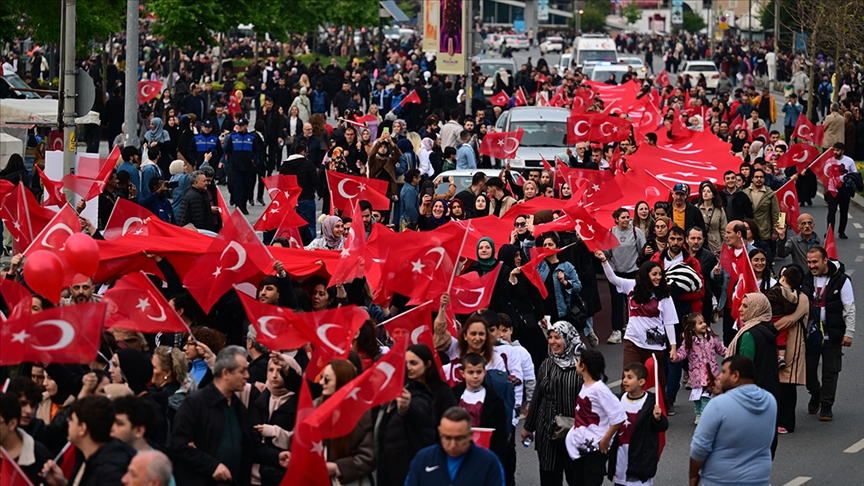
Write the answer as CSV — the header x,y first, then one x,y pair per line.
x,y
734,437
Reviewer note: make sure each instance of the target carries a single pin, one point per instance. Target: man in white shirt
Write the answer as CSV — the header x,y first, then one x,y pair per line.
x,y
833,195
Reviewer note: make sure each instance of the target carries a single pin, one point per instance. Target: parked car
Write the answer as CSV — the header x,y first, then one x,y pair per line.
x,y
545,134
461,177
552,44
517,42
491,66
706,68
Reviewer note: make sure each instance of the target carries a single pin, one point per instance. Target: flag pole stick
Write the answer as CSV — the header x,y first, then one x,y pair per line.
x,y
458,255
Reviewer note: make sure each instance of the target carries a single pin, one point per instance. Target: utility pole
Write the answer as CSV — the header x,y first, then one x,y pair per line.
x,y
467,46
67,93
130,114
750,21
776,26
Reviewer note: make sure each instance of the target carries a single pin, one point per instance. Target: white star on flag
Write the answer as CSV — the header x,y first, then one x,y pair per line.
x,y
318,448
217,272
143,304
501,142
20,337
417,266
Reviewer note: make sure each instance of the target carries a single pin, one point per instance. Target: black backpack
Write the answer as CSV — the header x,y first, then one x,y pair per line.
x,y
823,90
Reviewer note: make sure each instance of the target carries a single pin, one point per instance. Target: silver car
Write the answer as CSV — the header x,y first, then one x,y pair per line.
x,y
545,134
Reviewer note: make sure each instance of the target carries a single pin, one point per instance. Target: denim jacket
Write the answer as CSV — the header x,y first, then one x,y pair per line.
x,y
562,295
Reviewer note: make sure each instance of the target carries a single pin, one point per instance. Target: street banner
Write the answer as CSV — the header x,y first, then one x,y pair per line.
x,y
431,25
451,44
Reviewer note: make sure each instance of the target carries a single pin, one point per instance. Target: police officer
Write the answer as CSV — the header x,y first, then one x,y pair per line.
x,y
244,151
205,142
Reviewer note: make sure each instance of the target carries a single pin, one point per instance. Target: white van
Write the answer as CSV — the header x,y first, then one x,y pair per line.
x,y
594,47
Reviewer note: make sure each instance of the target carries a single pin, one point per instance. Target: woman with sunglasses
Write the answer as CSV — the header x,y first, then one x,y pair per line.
x,y
520,237
656,243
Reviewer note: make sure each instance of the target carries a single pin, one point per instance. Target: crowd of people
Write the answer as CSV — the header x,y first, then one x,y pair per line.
x,y
216,406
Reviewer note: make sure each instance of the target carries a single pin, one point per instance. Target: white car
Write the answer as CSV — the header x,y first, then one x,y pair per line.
x,y
545,134
490,67
461,177
552,44
638,65
565,63
602,71
705,68
517,42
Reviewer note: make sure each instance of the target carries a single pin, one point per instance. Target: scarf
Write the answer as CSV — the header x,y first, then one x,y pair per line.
x,y
758,311
158,134
572,345
457,202
327,228
444,217
486,264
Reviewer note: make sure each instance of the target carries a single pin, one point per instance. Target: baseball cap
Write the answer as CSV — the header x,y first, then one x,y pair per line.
x,y
242,122
207,123
680,188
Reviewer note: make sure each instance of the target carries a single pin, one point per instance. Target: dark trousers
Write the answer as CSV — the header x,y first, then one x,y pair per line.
x,y
620,308
556,476
832,362
788,130
531,338
306,210
833,203
590,469
673,378
728,322
244,183
787,399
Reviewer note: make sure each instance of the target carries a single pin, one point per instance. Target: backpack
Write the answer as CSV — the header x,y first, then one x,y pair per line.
x,y
499,381
319,103
823,90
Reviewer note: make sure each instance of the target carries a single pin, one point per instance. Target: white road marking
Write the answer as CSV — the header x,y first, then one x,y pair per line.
x,y
855,448
860,235
859,258
862,246
618,383
857,225
850,272
798,481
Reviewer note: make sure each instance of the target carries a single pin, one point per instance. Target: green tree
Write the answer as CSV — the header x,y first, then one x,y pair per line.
x,y
95,20
593,20
693,22
182,23
632,13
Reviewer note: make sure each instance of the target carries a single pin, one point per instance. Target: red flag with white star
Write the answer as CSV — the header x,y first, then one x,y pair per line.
x,y
135,304
345,189
24,217
53,190
307,466
501,145
93,173
67,334
787,196
126,218
271,323
354,257
330,331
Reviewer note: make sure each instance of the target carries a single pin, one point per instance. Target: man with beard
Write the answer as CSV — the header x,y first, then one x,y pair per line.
x,y
81,291
707,262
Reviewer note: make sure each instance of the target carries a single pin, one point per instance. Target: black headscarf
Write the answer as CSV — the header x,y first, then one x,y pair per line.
x,y
137,369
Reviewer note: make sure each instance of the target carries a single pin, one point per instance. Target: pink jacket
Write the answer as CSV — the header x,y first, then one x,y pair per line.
x,y
705,350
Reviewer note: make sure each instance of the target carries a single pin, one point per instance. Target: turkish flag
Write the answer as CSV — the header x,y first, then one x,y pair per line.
x,y
652,384
135,304
381,383
600,186
93,174
800,155
806,130
500,99
593,234
737,124
416,324
519,98
501,145
730,263
489,226
547,165
663,79
560,98
679,128
147,90
580,103
18,298
280,213
830,244
829,171
126,218
471,291
641,185
615,162
412,97
271,324
354,257
578,128
24,217
530,269
761,131
286,184
53,190
307,466
55,140
330,331
235,255
345,188
787,196
416,264
563,223
745,284
67,334
542,99
10,472
53,238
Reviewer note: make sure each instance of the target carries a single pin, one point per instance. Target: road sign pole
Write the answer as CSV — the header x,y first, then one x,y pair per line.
x,y
467,45
67,95
130,115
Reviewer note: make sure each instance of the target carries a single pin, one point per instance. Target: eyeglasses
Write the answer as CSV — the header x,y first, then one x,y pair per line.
x,y
326,380
519,225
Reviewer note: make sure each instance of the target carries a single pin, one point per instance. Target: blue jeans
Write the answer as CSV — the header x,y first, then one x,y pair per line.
x,y
673,378
306,210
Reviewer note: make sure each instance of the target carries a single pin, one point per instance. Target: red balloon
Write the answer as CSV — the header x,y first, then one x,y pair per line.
x,y
82,254
42,272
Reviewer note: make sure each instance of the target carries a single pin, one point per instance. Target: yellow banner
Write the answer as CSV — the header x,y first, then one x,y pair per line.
x,y
431,25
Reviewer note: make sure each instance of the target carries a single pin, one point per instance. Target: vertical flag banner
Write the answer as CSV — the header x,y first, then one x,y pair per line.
x,y
451,44
431,25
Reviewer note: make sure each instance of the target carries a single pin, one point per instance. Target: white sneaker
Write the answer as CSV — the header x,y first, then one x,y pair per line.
x,y
696,422
614,338
593,340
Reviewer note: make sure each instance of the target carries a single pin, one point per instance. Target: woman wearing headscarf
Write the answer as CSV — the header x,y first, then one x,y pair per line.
x,y
187,133
61,385
382,165
332,235
502,83
136,369
155,135
457,210
273,415
439,215
481,207
485,263
757,339
558,385
304,107
524,304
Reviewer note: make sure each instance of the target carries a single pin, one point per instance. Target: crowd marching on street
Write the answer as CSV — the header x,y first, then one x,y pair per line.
x,y
380,323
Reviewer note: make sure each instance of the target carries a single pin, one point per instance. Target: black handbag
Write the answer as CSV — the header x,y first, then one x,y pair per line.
x,y
577,312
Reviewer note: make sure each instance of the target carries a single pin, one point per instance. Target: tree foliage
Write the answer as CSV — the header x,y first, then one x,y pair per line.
x,y
95,20
692,22
593,20
632,13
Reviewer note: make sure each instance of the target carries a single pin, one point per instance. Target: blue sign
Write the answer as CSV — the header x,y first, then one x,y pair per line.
x,y
519,26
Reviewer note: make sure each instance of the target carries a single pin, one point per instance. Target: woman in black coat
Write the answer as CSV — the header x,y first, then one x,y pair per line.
x,y
524,304
273,415
15,171
399,435
486,263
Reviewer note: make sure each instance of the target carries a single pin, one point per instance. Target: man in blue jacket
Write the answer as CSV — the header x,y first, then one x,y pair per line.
x,y
732,443
244,151
456,460
205,142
